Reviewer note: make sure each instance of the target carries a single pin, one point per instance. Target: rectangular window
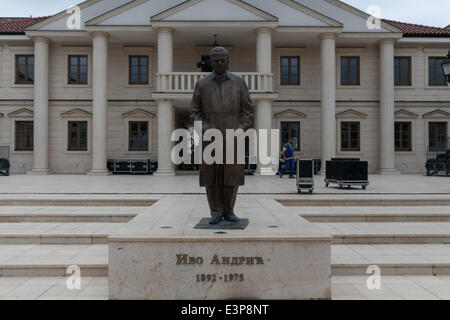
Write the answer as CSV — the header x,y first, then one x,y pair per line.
x,y
77,136
403,135
24,136
24,69
290,129
78,70
138,70
435,73
290,71
350,136
138,133
402,68
437,136
350,68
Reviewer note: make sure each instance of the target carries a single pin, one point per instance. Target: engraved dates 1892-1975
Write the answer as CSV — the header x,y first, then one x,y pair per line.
x,y
232,277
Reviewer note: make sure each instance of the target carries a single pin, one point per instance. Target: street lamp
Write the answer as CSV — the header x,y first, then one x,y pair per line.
x,y
446,67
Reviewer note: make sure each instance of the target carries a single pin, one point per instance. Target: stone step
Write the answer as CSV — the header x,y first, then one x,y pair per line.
x,y
343,233
76,202
56,233
375,214
366,201
112,214
52,260
388,232
398,259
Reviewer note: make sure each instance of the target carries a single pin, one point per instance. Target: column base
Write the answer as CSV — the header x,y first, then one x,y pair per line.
x,y
165,173
265,171
99,172
39,172
386,172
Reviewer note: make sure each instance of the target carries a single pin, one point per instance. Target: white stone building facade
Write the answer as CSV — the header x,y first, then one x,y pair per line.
x,y
120,84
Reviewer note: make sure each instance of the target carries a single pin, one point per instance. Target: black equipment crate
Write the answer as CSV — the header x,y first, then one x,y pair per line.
x,y
132,166
347,172
440,163
317,166
153,166
4,166
305,175
4,160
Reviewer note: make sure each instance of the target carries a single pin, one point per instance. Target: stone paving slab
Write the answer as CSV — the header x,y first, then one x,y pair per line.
x,y
343,288
52,288
423,259
388,232
68,214
52,260
188,184
374,213
392,288
56,233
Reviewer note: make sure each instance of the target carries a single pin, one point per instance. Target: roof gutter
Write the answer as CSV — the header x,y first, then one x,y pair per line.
x,y
425,40
13,37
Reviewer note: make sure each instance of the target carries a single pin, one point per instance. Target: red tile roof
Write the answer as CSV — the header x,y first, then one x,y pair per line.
x,y
417,30
19,26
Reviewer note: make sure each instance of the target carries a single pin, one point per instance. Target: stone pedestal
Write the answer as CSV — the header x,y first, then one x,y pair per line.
x,y
159,254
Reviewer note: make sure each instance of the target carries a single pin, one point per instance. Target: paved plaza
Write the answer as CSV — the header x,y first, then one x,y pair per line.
x,y
188,184
400,224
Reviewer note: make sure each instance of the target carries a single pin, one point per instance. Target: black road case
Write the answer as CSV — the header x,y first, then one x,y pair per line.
x,y
132,166
4,160
305,175
347,172
440,164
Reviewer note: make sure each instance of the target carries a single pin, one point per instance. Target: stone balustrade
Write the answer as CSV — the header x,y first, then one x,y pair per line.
x,y
184,82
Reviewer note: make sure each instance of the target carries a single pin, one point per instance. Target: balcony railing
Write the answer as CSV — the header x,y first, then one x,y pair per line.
x,y
184,82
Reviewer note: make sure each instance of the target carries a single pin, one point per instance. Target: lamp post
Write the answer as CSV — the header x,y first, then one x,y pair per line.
x,y
446,67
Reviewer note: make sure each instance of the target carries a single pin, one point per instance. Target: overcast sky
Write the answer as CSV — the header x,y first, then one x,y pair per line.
x,y
427,12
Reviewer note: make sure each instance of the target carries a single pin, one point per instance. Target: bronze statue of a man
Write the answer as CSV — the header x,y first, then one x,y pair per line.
x,y
222,101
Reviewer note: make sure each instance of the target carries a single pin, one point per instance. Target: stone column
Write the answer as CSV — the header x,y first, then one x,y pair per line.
x,y
328,96
165,106
100,103
166,121
263,117
387,146
41,64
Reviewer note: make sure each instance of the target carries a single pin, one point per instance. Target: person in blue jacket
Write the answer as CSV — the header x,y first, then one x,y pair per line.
x,y
288,157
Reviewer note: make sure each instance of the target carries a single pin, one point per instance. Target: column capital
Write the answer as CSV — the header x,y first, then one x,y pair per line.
x,y
263,30
328,35
100,34
386,41
41,39
165,30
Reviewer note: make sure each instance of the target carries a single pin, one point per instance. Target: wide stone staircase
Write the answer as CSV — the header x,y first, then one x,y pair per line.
x,y
401,235
42,238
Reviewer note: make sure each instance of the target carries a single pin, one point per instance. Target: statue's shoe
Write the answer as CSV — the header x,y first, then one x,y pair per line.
x,y
215,218
231,217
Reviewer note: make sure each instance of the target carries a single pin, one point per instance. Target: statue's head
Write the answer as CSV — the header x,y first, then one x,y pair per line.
x,y
219,58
